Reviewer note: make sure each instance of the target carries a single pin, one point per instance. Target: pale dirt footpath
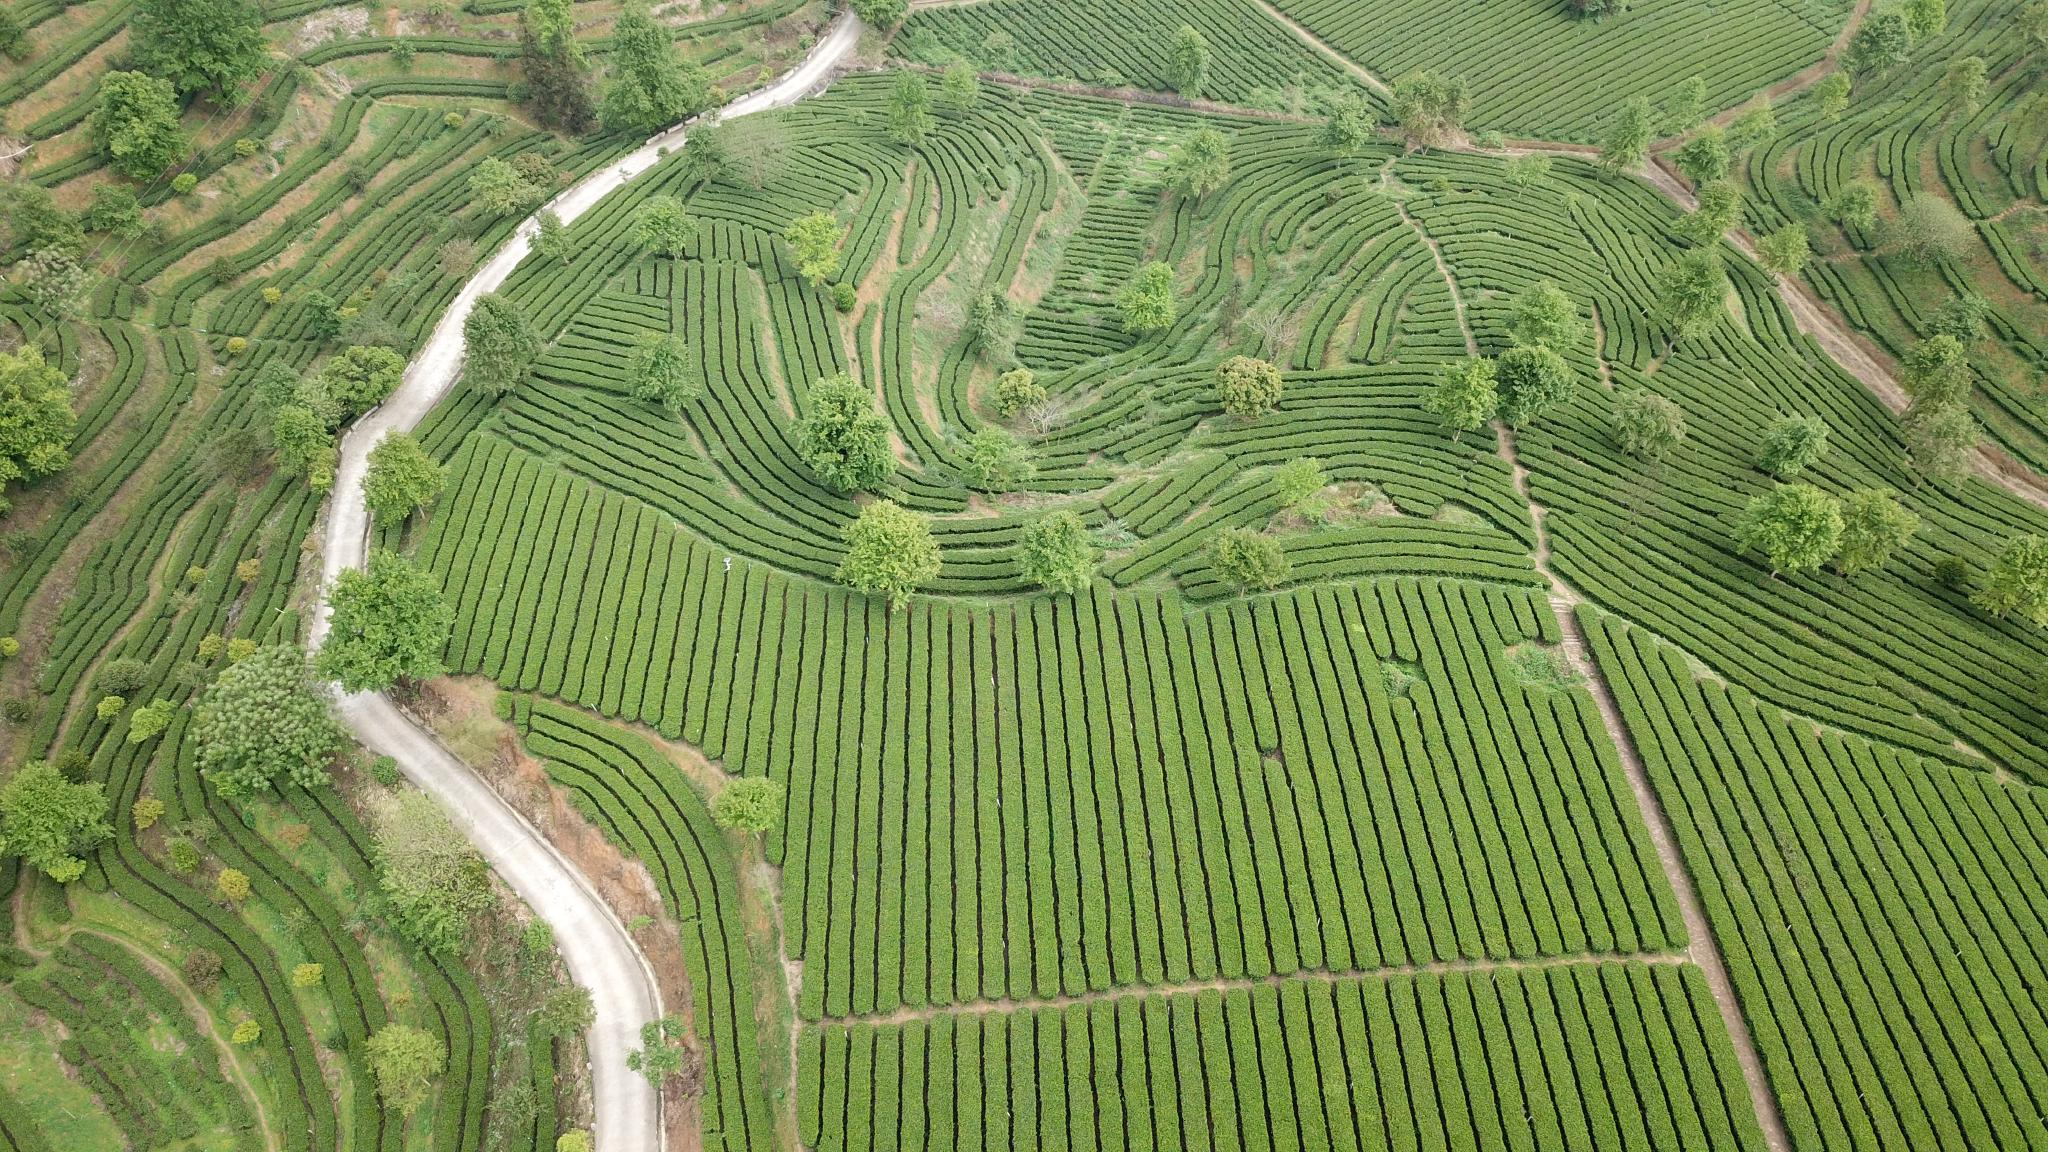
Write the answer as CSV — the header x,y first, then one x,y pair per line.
x,y
600,954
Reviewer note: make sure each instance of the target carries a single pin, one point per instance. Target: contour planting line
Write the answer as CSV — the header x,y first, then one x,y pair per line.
x,y
601,955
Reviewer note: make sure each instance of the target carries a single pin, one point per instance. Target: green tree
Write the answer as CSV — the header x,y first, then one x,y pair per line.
x,y
213,46
1927,18
389,623
1465,396
661,373
1056,553
1963,86
1929,230
1018,392
53,280
498,345
750,804
1936,371
1350,124
36,420
959,87
910,108
1883,42
1524,172
1430,108
1247,388
1704,158
1531,379
262,717
1874,527
406,1062
661,1052
996,461
1964,317
566,1011
889,550
1627,143
841,436
1647,426
1785,251
1249,561
502,190
1187,65
2018,582
135,124
1686,107
303,445
434,881
115,211
662,227
13,36
650,88
1720,206
355,380
1854,205
1831,96
1692,294
1200,162
1544,314
402,478
557,72
1791,445
1941,442
881,14
1794,527
1299,485
1146,304
551,239
814,241
1756,125
50,822
2032,25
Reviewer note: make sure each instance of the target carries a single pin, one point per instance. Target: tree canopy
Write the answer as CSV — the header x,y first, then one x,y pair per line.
x,y
406,1061
402,478
1146,304
1249,561
910,108
435,882
661,371
1200,162
750,804
1874,527
51,822
1187,68
1792,445
650,87
662,227
2017,583
890,550
213,46
261,718
1795,527
135,124
389,623
1056,553
814,241
1430,108
498,344
1531,380
842,437
1692,294
1647,426
36,420
1465,396
1247,387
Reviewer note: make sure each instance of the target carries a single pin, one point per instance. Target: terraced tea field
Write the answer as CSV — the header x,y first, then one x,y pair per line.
x,y
1244,575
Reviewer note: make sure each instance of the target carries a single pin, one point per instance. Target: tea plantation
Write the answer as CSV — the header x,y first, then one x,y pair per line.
x,y
1250,574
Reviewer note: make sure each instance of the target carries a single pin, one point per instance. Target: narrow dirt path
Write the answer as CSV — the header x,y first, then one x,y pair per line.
x,y
1186,988
1443,269
1325,49
1703,950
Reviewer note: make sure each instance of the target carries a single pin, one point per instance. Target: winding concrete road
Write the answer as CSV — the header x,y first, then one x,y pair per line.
x,y
600,954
